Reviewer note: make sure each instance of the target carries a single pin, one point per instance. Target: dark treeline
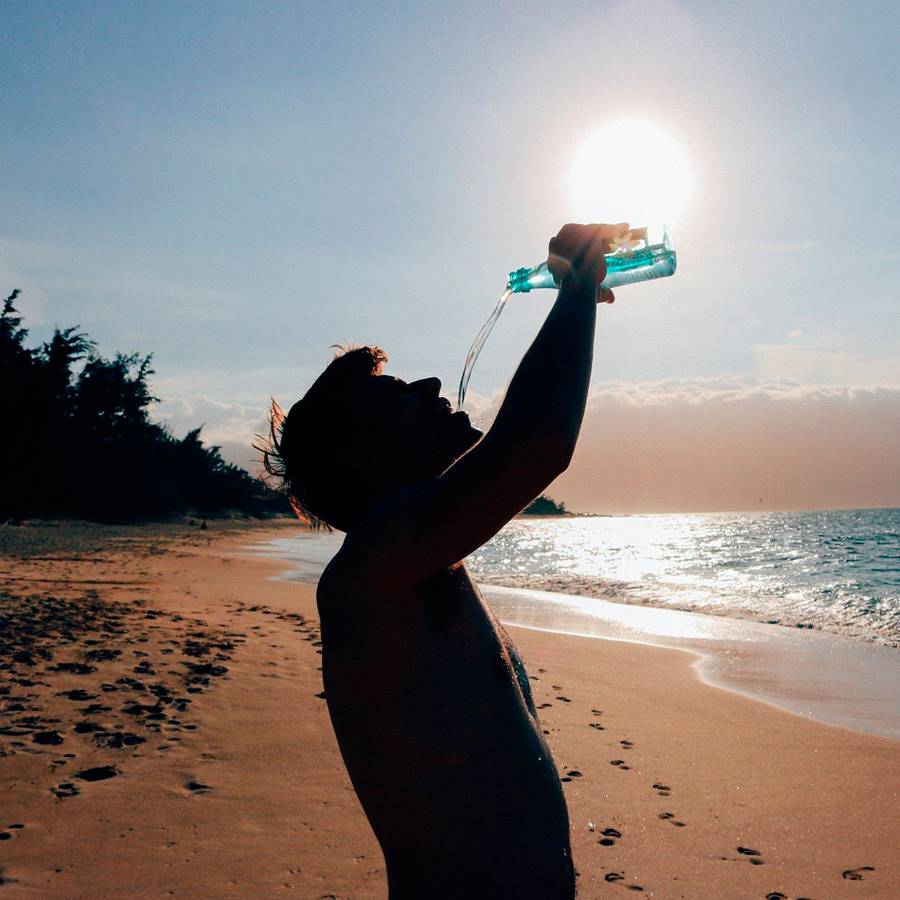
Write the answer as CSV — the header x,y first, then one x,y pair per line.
x,y
77,440
545,506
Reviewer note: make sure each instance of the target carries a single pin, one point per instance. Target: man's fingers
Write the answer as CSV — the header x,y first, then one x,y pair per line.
x,y
576,241
606,296
579,250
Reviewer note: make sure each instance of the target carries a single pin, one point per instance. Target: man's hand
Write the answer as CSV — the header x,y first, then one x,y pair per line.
x,y
577,254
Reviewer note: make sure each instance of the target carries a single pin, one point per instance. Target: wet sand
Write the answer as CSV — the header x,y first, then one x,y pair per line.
x,y
163,733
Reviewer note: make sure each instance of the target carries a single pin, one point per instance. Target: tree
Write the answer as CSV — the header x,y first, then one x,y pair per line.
x,y
83,444
544,506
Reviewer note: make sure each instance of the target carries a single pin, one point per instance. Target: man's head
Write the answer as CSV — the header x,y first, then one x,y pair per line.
x,y
357,435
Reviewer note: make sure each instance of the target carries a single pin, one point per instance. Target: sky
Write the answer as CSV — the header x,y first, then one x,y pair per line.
x,y
235,187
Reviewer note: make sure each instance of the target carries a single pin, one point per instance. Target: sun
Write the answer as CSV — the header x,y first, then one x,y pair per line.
x,y
630,171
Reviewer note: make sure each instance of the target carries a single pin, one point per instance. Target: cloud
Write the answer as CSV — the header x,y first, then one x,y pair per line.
x,y
829,357
231,426
698,444
734,443
828,364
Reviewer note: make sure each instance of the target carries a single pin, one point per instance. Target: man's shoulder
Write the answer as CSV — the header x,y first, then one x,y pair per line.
x,y
335,578
350,572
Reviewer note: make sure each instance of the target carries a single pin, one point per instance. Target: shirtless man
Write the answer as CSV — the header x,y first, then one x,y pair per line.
x,y
429,699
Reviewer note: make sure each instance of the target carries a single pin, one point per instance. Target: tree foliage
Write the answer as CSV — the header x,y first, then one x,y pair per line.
x,y
545,506
78,440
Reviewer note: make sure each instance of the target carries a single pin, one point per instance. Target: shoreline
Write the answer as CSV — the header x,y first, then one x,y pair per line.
x,y
827,678
808,672
675,789
587,587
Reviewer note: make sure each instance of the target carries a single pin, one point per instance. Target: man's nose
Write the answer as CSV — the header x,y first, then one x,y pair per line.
x,y
426,387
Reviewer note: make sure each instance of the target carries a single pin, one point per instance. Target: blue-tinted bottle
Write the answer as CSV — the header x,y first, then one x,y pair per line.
x,y
646,253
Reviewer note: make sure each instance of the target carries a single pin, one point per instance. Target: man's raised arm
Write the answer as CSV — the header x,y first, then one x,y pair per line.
x,y
431,525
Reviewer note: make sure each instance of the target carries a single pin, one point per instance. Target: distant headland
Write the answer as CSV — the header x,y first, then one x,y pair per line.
x,y
546,506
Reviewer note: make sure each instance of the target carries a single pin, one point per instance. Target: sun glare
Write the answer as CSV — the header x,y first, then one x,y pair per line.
x,y
630,171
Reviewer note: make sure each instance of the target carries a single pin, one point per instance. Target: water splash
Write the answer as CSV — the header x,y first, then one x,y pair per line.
x,y
478,344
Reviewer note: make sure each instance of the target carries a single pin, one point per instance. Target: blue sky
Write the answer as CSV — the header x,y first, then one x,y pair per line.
x,y
237,186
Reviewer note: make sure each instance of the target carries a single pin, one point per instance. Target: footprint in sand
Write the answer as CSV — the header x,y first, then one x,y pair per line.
x,y
197,787
86,727
617,876
620,763
776,895
545,706
662,789
609,837
596,725
670,817
753,854
78,694
97,773
627,745
856,874
574,773
564,699
65,789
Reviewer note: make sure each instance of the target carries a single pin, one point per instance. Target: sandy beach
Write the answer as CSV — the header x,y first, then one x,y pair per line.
x,y
163,732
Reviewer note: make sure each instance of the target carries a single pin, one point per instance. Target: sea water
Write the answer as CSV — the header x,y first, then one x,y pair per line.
x,y
837,571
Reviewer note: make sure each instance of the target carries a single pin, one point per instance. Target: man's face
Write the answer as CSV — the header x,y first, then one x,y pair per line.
x,y
411,429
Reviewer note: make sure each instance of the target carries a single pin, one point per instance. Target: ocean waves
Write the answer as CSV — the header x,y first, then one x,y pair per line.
x,y
836,571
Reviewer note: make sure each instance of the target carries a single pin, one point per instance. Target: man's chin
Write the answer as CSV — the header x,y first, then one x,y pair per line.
x,y
465,434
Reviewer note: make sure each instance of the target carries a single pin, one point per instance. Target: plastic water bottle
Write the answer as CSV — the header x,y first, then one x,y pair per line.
x,y
643,253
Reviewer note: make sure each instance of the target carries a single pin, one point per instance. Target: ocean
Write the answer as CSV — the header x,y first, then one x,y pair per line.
x,y
797,609
837,570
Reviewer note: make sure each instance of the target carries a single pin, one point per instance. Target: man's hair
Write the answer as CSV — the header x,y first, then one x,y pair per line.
x,y
303,451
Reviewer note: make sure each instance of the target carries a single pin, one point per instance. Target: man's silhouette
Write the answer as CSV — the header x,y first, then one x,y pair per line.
x,y
429,699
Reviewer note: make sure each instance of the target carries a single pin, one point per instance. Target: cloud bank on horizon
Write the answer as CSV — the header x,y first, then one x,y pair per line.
x,y
684,445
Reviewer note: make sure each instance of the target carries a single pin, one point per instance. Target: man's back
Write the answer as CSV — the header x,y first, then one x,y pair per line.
x,y
433,713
